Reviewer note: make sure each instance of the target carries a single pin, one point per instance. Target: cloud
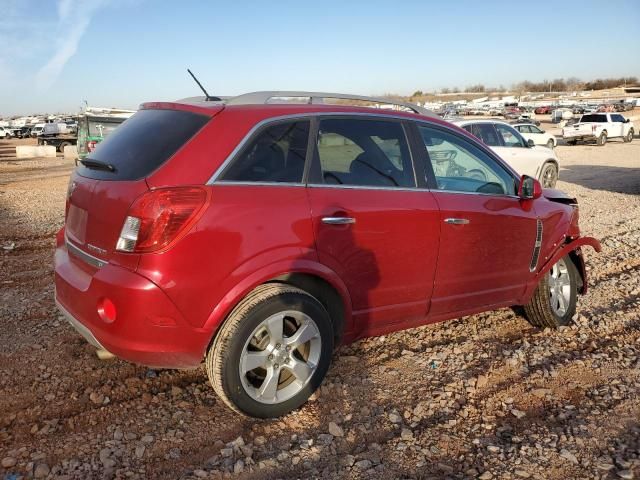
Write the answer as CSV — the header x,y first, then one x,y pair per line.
x,y
74,17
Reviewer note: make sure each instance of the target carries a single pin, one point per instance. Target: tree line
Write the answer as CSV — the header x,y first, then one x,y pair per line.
x,y
556,85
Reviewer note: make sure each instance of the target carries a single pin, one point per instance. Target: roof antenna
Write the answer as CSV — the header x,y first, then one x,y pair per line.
x,y
208,97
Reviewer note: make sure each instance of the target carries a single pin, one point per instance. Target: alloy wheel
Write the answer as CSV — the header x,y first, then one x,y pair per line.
x,y
560,288
280,357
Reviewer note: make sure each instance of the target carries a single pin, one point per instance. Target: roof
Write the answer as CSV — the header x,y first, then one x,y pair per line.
x,y
290,97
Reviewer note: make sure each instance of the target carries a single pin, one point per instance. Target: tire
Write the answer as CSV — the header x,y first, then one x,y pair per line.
x,y
550,144
62,145
246,338
629,137
543,310
549,175
572,142
602,139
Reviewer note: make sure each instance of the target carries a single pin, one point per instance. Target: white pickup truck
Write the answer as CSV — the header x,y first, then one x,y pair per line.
x,y
599,127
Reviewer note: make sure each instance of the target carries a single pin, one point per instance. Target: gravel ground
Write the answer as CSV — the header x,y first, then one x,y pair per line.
x,y
485,396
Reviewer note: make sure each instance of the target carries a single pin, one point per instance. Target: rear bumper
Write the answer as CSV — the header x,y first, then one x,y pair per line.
x,y
148,328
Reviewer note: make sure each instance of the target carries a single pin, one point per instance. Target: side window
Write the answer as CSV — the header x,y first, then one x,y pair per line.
x,y
617,118
524,128
535,129
276,154
365,153
510,136
486,133
460,166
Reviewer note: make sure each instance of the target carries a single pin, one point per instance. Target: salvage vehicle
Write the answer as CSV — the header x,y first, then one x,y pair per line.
x,y
531,132
95,124
257,236
599,127
5,132
58,135
523,155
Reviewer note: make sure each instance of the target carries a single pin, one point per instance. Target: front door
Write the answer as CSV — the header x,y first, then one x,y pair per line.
x,y
373,226
488,233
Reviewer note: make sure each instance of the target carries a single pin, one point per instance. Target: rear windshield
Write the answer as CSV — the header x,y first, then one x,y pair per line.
x,y
594,118
143,143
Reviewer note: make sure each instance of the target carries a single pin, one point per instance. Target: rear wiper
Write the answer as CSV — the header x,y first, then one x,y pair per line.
x,y
98,165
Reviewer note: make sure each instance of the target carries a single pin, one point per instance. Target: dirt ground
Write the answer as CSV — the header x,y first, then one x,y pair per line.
x,y
485,396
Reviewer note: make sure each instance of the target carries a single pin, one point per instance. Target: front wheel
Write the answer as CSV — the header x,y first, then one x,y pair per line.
x,y
629,137
549,175
550,144
272,352
554,302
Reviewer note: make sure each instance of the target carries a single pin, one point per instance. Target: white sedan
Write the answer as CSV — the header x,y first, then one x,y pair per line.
x,y
524,156
539,136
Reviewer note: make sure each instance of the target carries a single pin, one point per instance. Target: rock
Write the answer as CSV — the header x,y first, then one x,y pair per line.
x,y
238,467
259,440
363,464
96,397
480,383
626,474
486,475
517,413
406,434
325,438
8,462
395,418
41,470
226,452
118,435
567,455
494,449
335,430
347,460
200,473
522,474
140,451
147,439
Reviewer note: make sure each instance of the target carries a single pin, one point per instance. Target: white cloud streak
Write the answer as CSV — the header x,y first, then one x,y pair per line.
x,y
74,17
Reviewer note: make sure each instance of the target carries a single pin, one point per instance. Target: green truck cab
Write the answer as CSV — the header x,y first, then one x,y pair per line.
x,y
95,124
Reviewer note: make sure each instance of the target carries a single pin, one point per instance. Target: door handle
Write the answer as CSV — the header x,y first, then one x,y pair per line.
x,y
338,220
456,221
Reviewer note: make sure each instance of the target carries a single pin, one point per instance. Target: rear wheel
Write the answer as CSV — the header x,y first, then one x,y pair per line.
x,y
602,139
62,145
272,352
550,143
554,302
549,175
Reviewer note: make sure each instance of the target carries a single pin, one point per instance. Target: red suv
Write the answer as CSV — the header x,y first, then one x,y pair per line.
x,y
256,236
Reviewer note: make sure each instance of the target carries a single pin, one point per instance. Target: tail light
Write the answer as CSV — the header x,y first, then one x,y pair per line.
x,y
91,145
159,218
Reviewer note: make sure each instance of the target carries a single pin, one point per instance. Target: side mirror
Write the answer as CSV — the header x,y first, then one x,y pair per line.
x,y
626,120
529,188
531,143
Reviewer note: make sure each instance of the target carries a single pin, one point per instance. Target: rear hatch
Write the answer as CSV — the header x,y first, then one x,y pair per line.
x,y
109,179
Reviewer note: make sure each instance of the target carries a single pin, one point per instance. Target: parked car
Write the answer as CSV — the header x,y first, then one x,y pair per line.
x,y
95,124
5,132
256,237
524,156
599,127
543,110
537,135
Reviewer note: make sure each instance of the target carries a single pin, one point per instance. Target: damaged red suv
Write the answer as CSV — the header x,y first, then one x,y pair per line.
x,y
255,237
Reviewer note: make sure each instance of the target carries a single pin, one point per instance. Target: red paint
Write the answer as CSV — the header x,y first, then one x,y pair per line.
x,y
399,265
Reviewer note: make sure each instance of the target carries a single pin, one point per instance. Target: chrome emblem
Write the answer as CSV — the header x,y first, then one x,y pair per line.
x,y
96,249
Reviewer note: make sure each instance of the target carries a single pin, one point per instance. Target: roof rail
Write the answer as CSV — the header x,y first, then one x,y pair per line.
x,y
257,98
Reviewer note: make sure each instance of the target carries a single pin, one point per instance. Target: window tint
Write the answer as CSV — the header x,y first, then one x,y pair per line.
x,y
617,118
510,136
364,152
594,118
535,129
486,133
276,154
523,128
460,166
143,143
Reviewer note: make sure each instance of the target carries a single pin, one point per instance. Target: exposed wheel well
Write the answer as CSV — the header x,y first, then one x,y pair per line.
x,y
324,292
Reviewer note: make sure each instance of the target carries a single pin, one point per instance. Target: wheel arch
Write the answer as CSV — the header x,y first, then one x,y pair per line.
x,y
309,275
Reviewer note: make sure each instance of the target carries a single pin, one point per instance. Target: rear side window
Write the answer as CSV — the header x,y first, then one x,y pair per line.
x,y
594,118
486,133
276,154
143,143
365,153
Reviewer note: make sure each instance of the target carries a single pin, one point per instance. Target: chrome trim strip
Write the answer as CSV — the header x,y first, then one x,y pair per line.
x,y
82,330
82,255
259,184
367,187
338,220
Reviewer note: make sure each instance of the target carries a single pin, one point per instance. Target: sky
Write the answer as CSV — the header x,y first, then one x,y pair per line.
x,y
57,54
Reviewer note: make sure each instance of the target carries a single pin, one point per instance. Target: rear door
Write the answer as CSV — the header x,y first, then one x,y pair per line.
x,y
110,178
373,225
488,234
